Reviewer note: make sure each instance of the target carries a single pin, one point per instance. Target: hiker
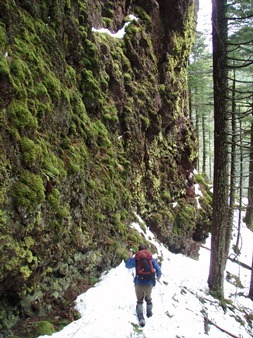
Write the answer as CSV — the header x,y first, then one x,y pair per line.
x,y
144,279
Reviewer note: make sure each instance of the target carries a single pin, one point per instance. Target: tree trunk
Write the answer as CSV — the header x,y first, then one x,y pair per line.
x,y
249,212
220,186
232,167
251,282
236,248
204,143
210,173
197,129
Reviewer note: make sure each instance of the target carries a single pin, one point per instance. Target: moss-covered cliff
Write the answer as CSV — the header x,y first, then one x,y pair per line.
x,y
93,129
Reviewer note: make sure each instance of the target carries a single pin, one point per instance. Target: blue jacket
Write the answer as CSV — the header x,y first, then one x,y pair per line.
x,y
131,263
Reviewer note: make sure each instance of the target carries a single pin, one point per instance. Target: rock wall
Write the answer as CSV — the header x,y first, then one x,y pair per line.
x,y
93,129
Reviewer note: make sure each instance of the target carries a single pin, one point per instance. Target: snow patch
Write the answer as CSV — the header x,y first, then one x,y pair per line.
x,y
181,304
120,34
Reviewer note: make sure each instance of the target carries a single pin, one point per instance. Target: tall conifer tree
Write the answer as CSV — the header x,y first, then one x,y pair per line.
x,y
220,230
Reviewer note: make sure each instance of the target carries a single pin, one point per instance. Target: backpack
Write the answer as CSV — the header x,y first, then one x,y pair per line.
x,y
144,266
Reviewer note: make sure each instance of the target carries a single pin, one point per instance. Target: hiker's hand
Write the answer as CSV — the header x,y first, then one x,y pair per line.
x,y
130,253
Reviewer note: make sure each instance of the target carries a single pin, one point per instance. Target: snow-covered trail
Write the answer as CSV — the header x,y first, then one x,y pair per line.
x,y
180,301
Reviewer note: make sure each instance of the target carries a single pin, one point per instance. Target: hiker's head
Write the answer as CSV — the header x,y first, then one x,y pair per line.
x,y
142,246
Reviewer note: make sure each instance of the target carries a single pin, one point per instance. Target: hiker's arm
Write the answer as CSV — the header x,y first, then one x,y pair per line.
x,y
130,262
157,268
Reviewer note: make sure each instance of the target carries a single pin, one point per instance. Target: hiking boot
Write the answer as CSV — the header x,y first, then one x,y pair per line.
x,y
149,310
139,311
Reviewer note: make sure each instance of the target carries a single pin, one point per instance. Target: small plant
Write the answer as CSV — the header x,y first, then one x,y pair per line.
x,y
137,330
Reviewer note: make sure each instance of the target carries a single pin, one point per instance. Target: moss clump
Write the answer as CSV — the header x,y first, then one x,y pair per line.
x,y
4,68
20,116
51,163
90,87
185,215
166,195
30,152
59,209
2,36
20,70
201,179
28,191
107,22
44,328
53,85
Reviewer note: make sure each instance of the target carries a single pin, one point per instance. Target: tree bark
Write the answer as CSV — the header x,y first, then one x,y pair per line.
x,y
236,248
232,165
204,142
251,281
249,212
220,184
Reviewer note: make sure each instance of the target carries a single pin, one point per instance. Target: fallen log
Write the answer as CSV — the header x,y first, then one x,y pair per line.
x,y
208,321
234,260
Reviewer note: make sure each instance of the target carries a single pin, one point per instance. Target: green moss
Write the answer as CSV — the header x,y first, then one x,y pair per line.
x,y
60,209
71,76
28,191
73,168
3,217
107,22
127,78
53,85
111,4
184,39
131,31
201,179
185,217
4,67
145,122
91,183
119,226
162,88
90,85
92,50
26,50
41,92
20,70
66,119
30,152
29,241
142,14
63,212
44,328
166,195
2,36
51,163
111,113
25,272
54,199
21,261
20,116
